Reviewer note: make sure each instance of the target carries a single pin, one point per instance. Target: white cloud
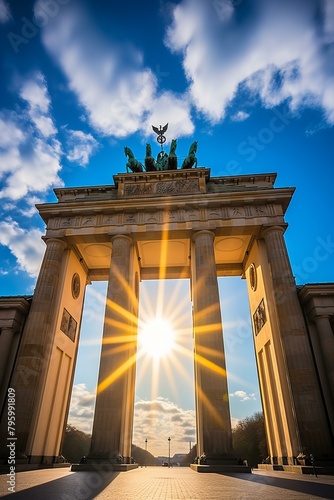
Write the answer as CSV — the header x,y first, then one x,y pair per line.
x,y
109,80
82,408
34,92
276,50
329,21
157,420
81,146
29,166
172,109
29,153
27,207
240,116
243,396
25,245
114,94
234,422
5,14
154,420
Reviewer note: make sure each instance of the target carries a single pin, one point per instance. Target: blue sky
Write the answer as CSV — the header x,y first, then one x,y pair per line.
x,y
251,80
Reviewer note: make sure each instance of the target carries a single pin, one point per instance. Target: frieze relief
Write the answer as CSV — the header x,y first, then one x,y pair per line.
x,y
192,214
161,216
138,189
151,218
88,221
130,218
215,213
67,222
173,215
109,219
162,188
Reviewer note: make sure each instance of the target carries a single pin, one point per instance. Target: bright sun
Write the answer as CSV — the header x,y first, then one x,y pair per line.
x,y
157,338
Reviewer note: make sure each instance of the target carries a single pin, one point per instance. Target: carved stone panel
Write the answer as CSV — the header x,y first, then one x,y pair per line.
x,y
259,317
162,188
68,325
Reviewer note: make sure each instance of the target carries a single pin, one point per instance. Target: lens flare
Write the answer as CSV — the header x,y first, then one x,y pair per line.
x,y
156,338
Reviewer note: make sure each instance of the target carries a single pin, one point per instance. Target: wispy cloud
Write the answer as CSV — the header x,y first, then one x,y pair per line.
x,y
154,420
34,92
117,92
25,245
276,50
240,116
29,166
5,14
80,146
29,153
159,419
243,396
82,408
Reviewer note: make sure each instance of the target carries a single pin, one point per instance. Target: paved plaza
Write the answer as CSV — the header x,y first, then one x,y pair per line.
x,y
163,483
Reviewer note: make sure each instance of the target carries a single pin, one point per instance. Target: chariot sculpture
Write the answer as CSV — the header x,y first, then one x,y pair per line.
x,y
164,161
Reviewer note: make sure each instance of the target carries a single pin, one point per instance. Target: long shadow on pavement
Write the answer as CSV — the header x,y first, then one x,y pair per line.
x,y
296,484
76,486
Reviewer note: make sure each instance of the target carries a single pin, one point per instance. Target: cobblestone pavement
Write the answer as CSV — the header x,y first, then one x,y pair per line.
x,y
153,483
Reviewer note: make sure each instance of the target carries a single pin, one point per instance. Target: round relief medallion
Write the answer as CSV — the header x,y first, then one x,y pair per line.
x,y
253,276
75,285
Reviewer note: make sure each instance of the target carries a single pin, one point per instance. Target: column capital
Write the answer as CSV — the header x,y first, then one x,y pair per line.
x,y
273,228
8,329
47,241
321,316
121,236
202,233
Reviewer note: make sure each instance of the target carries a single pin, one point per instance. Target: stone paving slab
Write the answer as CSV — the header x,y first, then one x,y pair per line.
x,y
155,483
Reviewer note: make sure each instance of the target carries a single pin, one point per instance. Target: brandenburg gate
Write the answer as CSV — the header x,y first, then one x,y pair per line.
x,y
170,224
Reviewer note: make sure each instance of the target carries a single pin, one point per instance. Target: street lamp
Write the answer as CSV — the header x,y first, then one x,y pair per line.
x,y
146,444
169,440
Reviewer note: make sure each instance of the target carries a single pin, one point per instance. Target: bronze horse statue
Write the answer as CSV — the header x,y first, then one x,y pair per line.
x,y
191,159
150,164
172,158
133,164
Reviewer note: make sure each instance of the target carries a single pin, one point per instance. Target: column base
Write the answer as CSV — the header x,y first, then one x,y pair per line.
x,y
221,468
220,463
102,467
299,469
104,463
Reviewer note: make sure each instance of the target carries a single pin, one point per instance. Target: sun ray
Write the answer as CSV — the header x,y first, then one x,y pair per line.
x,y
116,374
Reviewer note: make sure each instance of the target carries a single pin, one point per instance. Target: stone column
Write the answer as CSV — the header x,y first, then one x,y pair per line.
x,y
326,341
35,350
6,339
113,419
211,392
7,357
326,338
304,388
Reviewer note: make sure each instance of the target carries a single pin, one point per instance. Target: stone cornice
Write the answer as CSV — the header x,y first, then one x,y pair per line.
x,y
309,291
21,303
153,201
213,184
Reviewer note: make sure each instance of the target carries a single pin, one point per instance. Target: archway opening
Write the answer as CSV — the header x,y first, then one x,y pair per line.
x,y
165,402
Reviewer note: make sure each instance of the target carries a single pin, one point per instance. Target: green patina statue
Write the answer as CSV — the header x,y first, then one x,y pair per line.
x,y
172,158
150,164
191,159
132,163
164,161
